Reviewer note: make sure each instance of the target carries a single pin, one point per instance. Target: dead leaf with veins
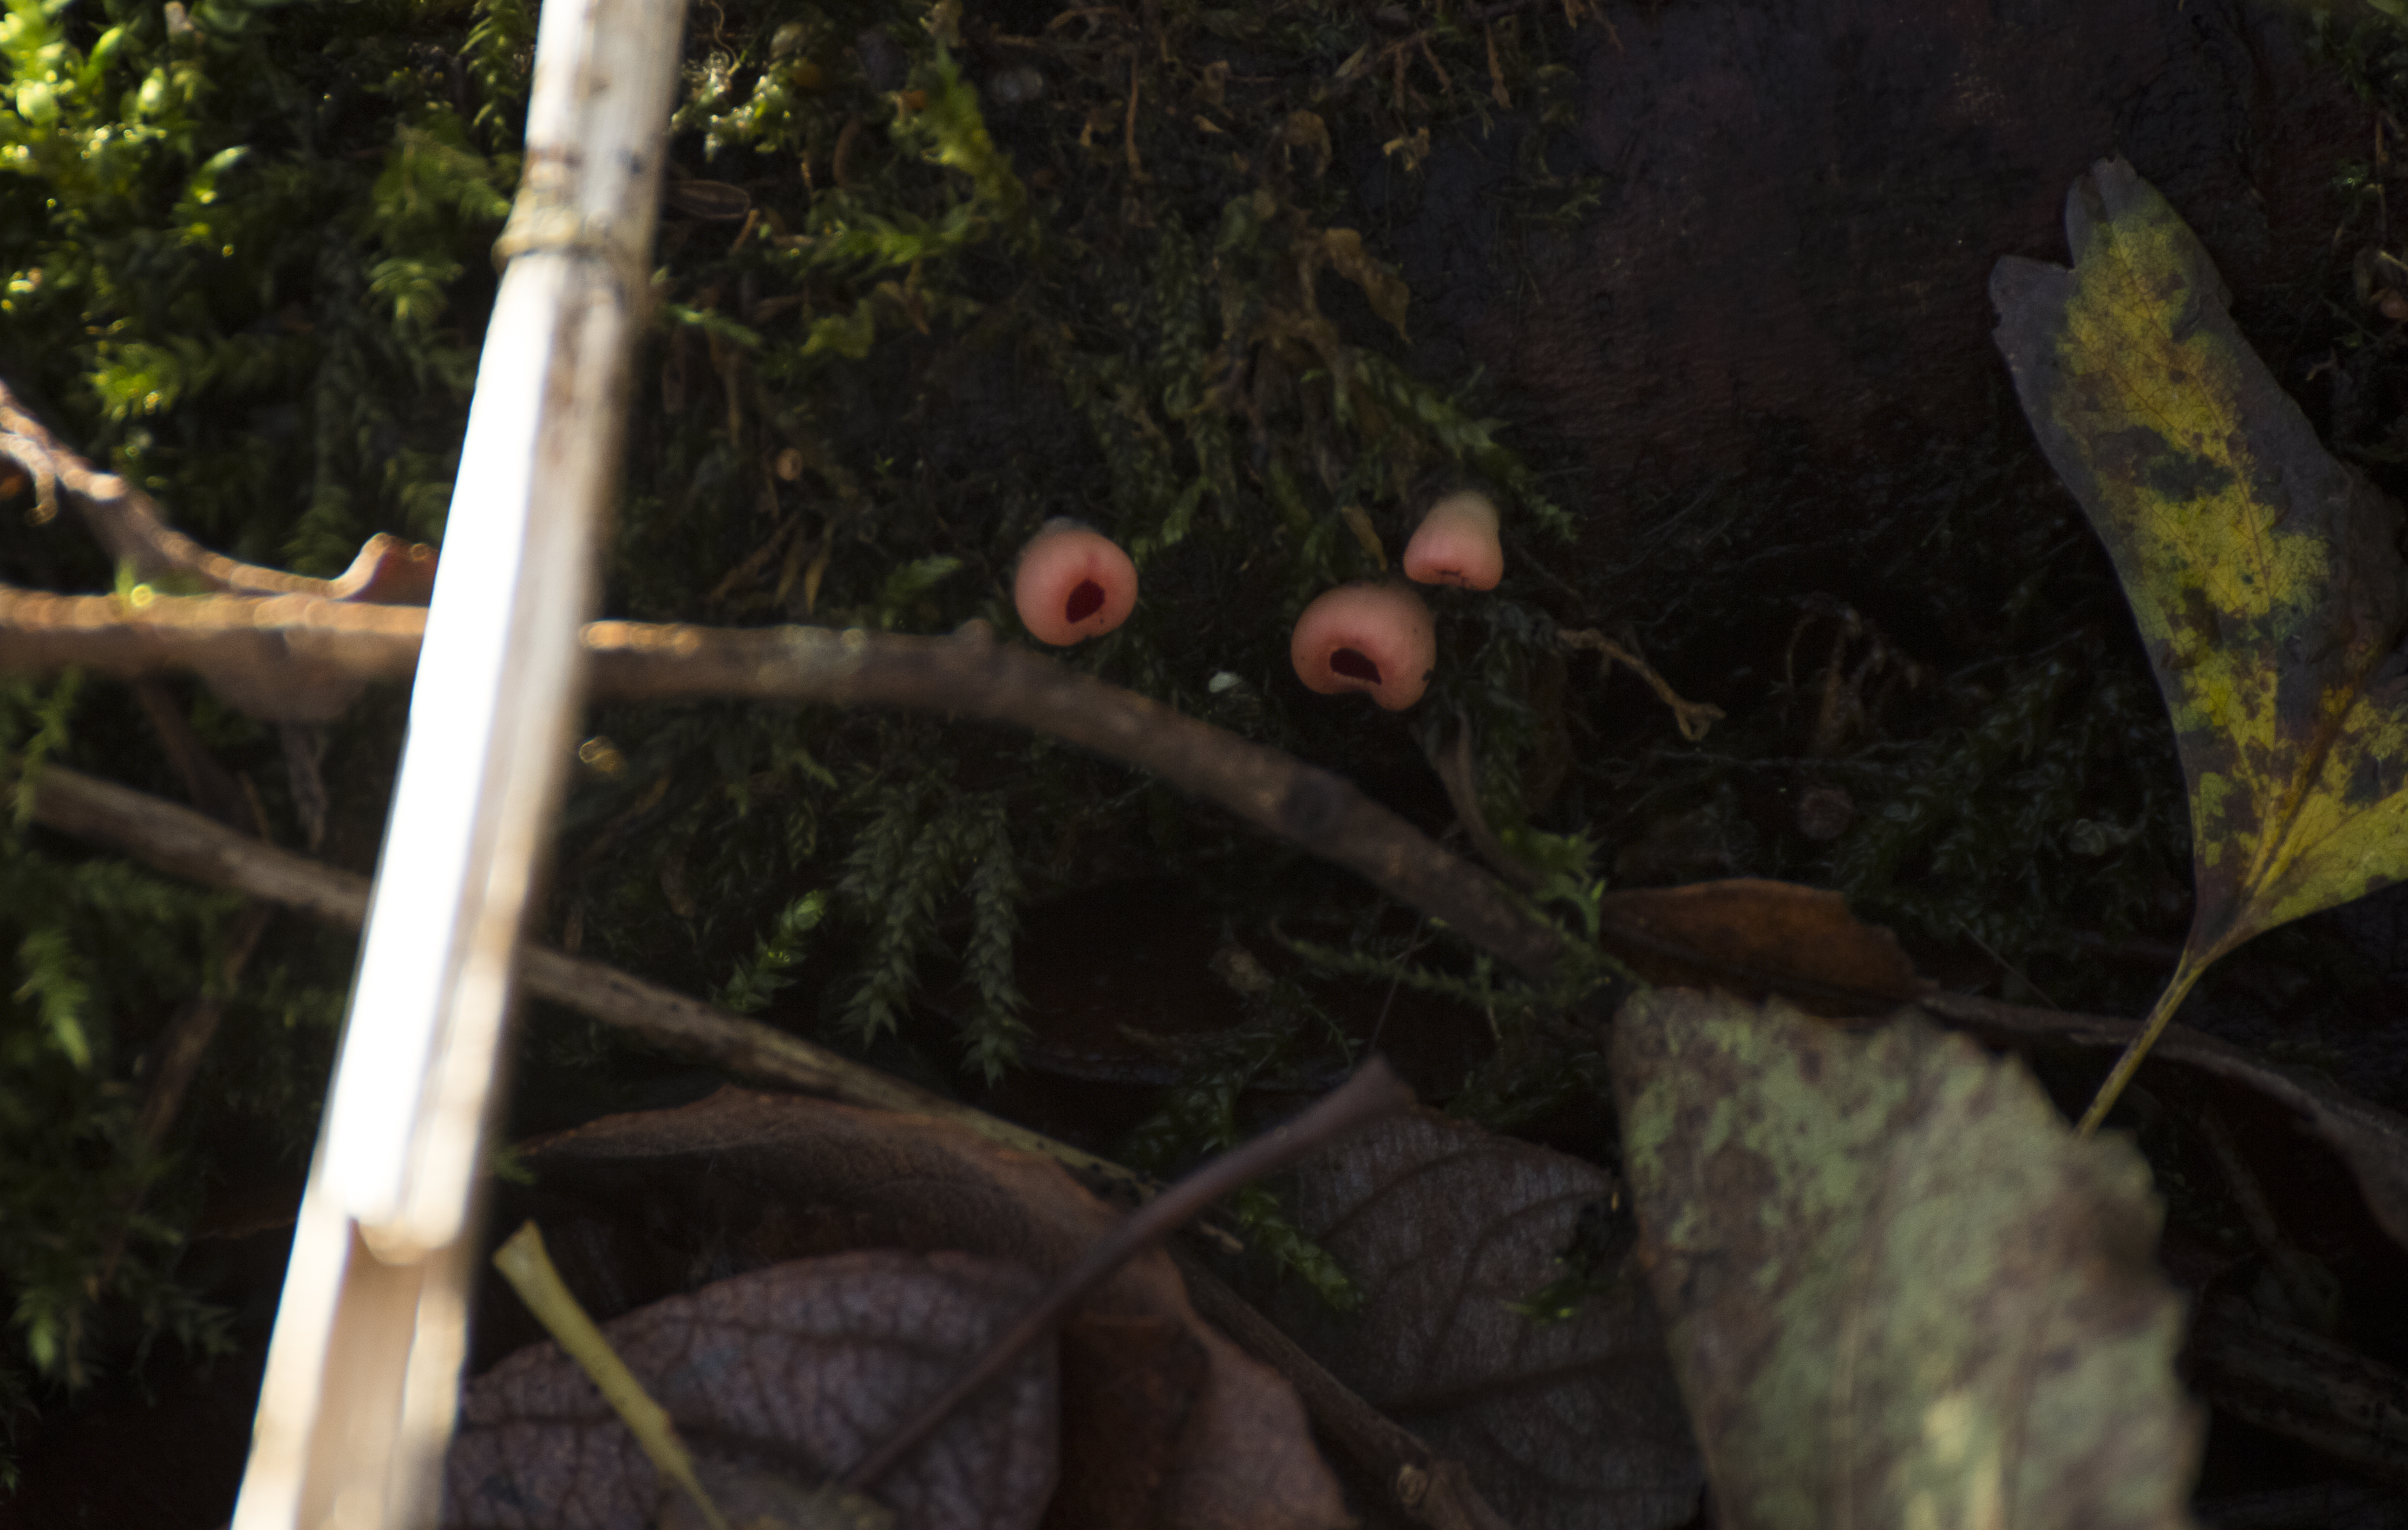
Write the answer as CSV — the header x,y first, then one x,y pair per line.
x,y
1572,1424
802,1369
1169,1415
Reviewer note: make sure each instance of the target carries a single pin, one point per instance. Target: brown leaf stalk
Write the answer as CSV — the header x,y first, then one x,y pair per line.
x,y
2373,1141
1415,1480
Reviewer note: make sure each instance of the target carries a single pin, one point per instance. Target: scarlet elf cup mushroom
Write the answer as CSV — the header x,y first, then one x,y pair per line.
x,y
1074,583
1456,543
1375,638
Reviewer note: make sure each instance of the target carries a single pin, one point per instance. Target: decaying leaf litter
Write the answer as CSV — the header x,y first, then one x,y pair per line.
x,y
862,1362
805,562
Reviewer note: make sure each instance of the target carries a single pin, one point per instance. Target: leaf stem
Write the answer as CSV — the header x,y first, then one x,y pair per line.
x,y
2187,972
528,1267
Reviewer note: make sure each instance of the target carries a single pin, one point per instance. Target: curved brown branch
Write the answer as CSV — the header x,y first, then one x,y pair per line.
x,y
285,658
283,647
296,657
970,675
128,524
277,656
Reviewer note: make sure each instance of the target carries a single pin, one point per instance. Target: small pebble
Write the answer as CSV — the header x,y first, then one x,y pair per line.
x,y
1015,86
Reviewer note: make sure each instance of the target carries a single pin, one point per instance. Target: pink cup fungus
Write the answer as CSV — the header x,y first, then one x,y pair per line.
x,y
1456,543
1073,584
1376,638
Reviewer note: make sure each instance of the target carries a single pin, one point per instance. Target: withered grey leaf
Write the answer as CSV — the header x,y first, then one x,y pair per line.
x,y
1575,1424
745,1178
803,1368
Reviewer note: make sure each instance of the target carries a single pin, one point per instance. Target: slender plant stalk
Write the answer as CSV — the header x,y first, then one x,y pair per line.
x,y
2187,971
527,1265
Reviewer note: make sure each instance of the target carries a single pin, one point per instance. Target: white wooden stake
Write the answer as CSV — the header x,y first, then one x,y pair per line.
x,y
364,1370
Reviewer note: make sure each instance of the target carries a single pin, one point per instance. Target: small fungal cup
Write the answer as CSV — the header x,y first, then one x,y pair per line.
x,y
1074,583
1456,543
1375,638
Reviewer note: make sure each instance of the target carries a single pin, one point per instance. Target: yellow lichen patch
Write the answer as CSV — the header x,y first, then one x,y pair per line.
x,y
2350,833
2233,699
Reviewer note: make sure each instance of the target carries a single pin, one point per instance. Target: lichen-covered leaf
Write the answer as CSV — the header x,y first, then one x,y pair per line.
x,y
2265,575
1899,1291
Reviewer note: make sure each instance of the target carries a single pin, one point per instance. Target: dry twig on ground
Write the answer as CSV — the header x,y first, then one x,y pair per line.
x,y
273,651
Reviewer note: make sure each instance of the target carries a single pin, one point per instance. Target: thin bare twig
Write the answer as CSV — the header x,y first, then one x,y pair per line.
x,y
291,649
1459,772
177,1060
128,524
182,843
970,675
1372,1093
1693,717
208,785
279,648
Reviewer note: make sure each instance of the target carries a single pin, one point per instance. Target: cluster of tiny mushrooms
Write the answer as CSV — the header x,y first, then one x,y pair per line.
x,y
1374,637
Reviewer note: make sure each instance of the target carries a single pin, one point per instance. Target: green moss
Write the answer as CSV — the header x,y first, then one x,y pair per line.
x,y
248,264
101,954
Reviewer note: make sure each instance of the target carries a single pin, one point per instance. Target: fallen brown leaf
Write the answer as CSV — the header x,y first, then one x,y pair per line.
x,y
1574,1424
803,1369
1753,937
653,1201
